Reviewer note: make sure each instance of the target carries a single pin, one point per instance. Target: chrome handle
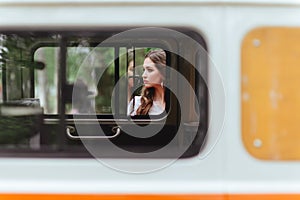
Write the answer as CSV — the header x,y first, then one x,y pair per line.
x,y
71,129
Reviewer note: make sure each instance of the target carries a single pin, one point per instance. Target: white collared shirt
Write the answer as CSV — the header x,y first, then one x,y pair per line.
x,y
154,110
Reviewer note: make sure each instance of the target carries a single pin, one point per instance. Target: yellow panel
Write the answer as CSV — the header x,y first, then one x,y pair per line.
x,y
270,93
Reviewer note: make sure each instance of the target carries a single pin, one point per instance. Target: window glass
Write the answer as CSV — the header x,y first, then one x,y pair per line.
x,y
46,80
97,94
1,96
21,113
1,90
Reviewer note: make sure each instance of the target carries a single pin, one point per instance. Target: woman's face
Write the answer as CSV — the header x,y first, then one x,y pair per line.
x,y
151,76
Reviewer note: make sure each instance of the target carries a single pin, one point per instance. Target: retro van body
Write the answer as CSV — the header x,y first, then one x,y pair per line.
x,y
229,129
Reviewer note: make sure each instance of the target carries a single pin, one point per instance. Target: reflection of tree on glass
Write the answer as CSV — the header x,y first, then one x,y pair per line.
x,y
1,85
152,100
81,101
0,92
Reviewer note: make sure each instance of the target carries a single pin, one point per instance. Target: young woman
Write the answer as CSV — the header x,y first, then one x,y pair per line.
x,y
152,99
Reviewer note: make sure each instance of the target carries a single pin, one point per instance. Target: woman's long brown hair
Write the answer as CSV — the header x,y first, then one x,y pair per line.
x,y
158,57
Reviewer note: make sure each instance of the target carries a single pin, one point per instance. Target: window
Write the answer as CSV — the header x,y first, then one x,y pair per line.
x,y
59,88
101,60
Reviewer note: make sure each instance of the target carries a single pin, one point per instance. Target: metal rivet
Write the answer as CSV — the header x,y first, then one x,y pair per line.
x,y
256,42
257,143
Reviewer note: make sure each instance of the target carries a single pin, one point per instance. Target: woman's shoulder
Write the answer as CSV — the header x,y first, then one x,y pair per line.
x,y
137,98
133,105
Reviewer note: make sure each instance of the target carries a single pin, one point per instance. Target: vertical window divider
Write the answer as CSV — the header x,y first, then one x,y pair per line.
x,y
21,75
62,86
117,77
127,77
32,90
4,82
134,79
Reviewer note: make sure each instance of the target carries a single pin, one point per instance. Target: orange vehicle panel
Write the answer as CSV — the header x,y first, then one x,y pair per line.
x,y
270,93
150,197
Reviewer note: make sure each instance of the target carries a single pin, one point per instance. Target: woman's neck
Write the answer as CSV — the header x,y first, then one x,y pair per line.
x,y
159,96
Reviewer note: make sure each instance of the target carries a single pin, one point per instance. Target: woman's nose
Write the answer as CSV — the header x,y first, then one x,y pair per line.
x,y
144,75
